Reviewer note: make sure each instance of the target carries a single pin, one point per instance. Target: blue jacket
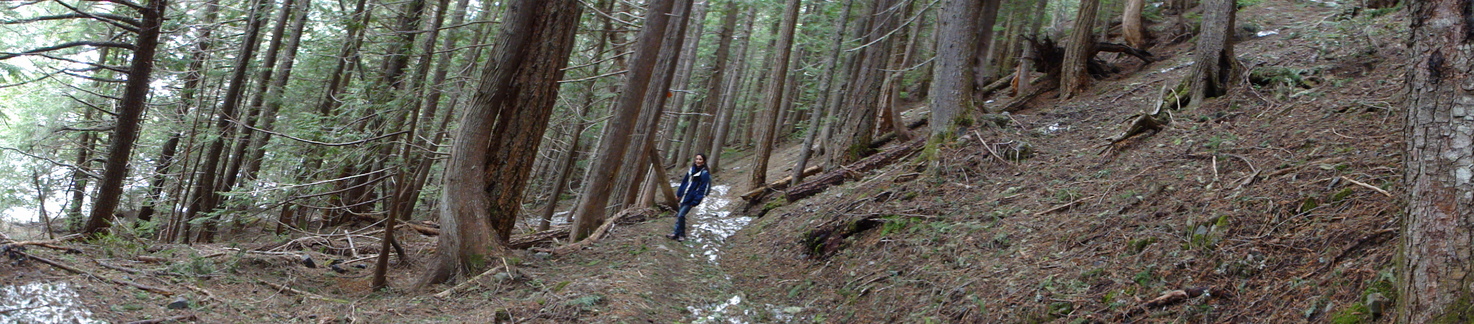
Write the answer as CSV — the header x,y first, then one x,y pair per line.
x,y
694,186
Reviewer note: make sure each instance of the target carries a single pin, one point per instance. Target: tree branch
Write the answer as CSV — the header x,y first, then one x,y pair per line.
x,y
7,55
126,23
308,141
62,164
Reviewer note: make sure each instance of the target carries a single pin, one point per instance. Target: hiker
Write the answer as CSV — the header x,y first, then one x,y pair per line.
x,y
694,187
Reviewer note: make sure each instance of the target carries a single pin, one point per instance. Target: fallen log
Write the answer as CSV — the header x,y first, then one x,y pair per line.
x,y
780,184
50,244
602,231
119,282
834,177
886,138
561,232
1048,82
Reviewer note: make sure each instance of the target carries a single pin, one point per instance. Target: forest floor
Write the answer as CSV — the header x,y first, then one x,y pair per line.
x,y
1282,200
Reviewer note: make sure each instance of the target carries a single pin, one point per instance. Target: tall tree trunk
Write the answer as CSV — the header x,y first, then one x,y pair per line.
x,y
952,88
207,192
1131,28
1215,63
498,137
857,128
130,112
1026,58
591,207
711,103
1075,78
775,89
981,29
818,114
254,109
161,170
1437,254
273,98
684,72
635,157
728,100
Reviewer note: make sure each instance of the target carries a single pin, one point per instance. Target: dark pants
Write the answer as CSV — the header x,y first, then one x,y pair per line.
x,y
680,230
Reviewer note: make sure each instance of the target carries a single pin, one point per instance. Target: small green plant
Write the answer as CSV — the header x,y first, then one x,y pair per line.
x,y
1139,245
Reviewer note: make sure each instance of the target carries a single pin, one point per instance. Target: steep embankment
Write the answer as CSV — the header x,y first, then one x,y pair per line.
x,y
1265,198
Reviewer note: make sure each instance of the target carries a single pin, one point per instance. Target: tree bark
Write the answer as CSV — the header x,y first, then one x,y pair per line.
x,y
207,192
775,90
1215,63
498,137
699,129
952,85
130,113
591,207
728,100
684,71
1074,78
981,31
1437,252
1131,28
857,127
817,115
635,157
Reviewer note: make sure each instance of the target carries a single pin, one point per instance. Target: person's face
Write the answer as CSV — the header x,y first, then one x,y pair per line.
x,y
700,160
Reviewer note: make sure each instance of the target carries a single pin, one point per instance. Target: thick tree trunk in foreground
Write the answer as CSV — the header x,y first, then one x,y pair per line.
x,y
591,207
1215,63
774,100
130,112
952,82
499,134
1074,78
1437,252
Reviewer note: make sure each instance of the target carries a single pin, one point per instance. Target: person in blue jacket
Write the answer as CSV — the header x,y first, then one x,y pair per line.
x,y
694,187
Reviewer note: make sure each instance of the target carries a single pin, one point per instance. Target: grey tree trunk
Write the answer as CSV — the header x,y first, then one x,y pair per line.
x,y
817,115
1074,79
952,85
1215,63
1437,254
775,90
591,211
728,100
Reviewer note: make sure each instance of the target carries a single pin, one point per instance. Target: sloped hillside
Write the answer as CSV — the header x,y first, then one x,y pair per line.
x,y
1277,203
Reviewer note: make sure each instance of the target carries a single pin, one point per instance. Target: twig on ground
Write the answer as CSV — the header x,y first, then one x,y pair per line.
x,y
180,318
1062,207
467,283
1363,184
299,292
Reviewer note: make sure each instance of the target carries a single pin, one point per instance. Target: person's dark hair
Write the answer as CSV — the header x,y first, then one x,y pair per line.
x,y
703,158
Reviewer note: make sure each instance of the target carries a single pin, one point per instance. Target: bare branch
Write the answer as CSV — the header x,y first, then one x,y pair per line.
x,y
125,23
68,72
6,55
118,69
595,77
90,105
308,141
44,77
62,164
131,25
